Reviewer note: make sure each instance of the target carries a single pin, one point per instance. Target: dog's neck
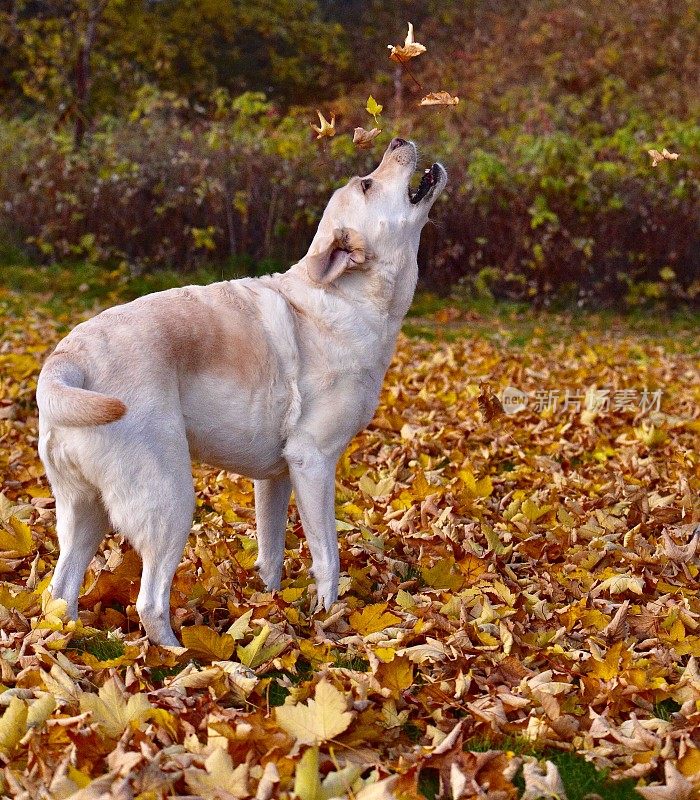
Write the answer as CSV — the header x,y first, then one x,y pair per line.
x,y
386,285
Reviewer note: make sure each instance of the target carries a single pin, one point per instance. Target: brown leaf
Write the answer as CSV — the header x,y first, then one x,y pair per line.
x,y
439,99
363,139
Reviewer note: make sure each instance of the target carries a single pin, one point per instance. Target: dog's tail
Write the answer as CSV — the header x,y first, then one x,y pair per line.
x,y
63,401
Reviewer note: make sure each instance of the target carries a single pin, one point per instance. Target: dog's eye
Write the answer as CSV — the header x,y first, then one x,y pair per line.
x,y
365,183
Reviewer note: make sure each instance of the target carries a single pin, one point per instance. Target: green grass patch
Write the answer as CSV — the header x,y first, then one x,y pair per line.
x,y
159,674
665,708
61,289
103,648
579,776
344,661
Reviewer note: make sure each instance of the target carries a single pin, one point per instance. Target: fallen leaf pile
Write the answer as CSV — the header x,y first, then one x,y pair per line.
x,y
532,576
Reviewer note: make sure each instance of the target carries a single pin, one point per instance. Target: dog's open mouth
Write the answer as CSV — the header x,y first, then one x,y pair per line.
x,y
427,183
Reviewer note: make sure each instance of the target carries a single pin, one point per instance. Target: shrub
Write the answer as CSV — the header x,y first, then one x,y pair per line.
x,y
570,213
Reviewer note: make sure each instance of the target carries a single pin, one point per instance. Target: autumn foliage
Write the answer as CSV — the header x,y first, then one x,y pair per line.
x,y
508,585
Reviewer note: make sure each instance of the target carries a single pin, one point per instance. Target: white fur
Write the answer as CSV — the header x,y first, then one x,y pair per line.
x,y
269,378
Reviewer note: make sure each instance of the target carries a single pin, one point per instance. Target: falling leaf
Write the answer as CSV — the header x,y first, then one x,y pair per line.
x,y
439,99
664,155
326,128
363,139
374,109
318,720
489,405
372,619
409,50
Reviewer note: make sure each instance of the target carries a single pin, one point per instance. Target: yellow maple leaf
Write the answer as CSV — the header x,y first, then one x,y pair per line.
x,y
619,584
396,676
372,619
54,612
219,778
318,720
532,511
307,781
40,710
475,488
15,536
609,667
326,128
112,713
207,643
690,763
442,576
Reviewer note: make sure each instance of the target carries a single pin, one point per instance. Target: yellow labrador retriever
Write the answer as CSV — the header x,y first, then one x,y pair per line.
x,y
269,378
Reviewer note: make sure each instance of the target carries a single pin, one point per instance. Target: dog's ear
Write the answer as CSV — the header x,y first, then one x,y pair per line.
x,y
345,250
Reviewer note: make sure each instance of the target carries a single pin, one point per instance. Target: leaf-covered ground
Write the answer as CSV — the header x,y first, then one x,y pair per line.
x,y
517,594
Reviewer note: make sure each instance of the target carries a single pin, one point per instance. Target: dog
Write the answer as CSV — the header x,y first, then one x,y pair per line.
x,y
266,377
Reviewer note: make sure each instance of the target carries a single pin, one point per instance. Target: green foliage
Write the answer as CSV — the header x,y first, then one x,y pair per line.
x,y
189,144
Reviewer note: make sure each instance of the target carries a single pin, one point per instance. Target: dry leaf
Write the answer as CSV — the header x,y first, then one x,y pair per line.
x,y
409,50
664,155
318,720
439,99
489,405
363,139
326,128
542,785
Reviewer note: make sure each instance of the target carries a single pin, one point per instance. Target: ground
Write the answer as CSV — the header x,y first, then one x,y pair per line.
x,y
516,589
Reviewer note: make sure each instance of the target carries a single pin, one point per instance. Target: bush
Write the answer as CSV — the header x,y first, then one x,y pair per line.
x,y
578,214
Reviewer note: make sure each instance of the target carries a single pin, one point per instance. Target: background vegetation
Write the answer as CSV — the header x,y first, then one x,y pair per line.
x,y
175,133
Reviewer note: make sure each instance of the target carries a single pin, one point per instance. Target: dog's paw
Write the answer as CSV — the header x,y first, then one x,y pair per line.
x,y
327,594
271,576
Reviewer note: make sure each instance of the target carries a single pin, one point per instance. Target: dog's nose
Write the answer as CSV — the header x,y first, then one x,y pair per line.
x,y
397,142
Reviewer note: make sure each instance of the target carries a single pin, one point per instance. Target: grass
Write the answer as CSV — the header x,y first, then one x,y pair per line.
x,y
580,777
103,648
85,286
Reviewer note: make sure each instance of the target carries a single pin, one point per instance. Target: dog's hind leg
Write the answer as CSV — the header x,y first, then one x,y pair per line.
x,y
271,506
153,506
81,524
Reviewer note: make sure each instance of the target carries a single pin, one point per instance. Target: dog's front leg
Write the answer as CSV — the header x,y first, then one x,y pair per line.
x,y
271,506
313,478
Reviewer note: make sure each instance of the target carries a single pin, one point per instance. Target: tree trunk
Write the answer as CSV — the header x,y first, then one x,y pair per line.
x,y
398,90
82,70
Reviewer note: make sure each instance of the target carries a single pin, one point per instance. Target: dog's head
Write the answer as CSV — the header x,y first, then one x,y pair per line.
x,y
376,220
